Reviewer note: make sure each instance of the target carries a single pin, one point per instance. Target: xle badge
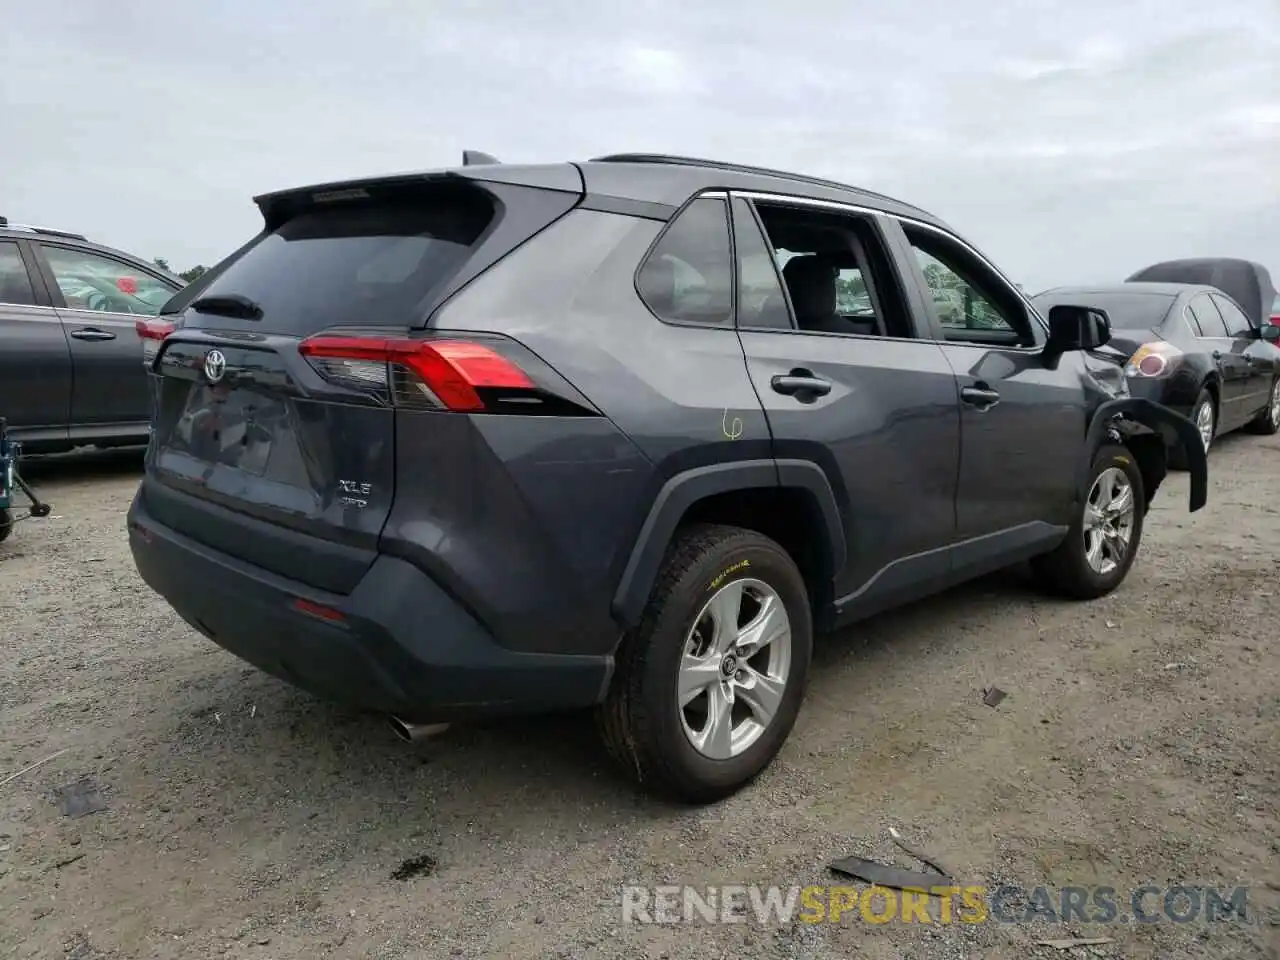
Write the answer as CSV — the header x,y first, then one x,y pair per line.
x,y
354,493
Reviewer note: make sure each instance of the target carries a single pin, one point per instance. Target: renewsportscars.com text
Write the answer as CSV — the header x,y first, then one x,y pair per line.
x,y
743,903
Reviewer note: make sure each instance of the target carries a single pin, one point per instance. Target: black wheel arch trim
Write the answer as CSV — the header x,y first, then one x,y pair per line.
x,y
1161,420
686,488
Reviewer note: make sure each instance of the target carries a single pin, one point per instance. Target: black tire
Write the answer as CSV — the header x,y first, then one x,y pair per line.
x,y
1066,570
1177,456
6,524
1267,422
640,722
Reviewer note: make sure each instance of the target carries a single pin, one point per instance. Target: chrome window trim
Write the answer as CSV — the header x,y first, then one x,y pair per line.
x,y
1196,326
17,311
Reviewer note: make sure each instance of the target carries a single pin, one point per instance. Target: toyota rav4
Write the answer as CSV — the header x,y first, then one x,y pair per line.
x,y
621,434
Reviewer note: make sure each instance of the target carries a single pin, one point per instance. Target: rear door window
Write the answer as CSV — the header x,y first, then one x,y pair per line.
x,y
90,281
1238,324
15,284
356,263
1208,318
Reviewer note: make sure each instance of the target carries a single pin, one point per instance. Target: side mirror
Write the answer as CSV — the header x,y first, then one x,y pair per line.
x,y
1077,328
1270,332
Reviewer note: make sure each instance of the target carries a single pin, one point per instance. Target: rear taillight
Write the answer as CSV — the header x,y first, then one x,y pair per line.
x,y
152,334
459,375
1152,359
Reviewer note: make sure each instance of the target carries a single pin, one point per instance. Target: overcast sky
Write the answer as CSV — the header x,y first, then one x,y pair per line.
x,y
1073,142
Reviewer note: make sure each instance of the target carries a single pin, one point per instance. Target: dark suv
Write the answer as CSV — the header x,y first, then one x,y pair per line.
x,y
618,434
69,372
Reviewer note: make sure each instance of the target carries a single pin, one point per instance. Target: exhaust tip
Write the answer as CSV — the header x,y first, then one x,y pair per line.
x,y
415,732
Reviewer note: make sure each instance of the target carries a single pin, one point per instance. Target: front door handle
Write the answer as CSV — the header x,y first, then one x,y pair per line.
x,y
796,384
92,333
980,397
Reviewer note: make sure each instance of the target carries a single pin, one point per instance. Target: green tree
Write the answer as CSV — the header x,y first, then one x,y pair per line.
x,y
195,273
163,264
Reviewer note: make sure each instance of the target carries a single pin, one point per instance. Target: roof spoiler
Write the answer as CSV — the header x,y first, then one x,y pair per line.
x,y
474,158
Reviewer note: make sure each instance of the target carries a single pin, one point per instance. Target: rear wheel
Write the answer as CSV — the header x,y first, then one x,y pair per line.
x,y
6,524
709,685
1268,421
1103,540
1204,414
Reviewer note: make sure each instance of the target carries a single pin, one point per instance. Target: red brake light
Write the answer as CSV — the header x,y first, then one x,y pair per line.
x,y
450,369
153,329
152,333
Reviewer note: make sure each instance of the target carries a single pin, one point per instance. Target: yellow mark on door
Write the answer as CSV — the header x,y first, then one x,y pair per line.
x,y
732,428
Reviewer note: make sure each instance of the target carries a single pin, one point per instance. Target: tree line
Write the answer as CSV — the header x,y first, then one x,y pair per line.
x,y
188,275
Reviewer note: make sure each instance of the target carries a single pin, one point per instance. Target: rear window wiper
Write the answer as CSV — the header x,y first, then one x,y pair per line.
x,y
228,305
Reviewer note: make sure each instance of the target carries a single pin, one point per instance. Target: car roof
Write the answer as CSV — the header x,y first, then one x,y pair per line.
x,y
643,178
1160,289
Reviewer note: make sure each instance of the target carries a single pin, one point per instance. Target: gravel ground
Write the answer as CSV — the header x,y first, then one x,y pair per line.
x,y
1139,743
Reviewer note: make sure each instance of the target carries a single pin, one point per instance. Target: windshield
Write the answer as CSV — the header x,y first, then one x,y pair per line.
x,y
1126,311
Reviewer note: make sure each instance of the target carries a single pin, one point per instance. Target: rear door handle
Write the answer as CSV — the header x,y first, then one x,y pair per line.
x,y
794,384
92,333
981,397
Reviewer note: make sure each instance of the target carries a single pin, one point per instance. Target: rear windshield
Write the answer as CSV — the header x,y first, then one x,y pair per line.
x,y
1126,311
356,263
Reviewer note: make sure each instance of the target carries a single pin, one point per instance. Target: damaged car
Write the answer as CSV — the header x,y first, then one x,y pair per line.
x,y
508,439
1196,336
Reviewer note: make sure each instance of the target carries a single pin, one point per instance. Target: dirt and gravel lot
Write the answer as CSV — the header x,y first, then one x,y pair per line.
x,y
1140,743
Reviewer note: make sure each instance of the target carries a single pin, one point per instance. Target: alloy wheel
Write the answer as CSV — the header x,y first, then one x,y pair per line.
x,y
734,669
1108,521
1275,403
1204,423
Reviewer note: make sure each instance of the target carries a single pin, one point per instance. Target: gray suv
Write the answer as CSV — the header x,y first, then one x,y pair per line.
x,y
620,434
69,355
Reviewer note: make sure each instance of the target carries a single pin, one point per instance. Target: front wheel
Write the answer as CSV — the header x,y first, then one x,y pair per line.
x,y
6,524
709,685
1103,540
1268,421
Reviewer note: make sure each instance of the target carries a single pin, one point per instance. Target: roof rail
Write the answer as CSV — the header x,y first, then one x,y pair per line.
x,y
740,168
44,231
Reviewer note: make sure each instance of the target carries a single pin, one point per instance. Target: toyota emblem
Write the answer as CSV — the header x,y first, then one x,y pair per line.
x,y
215,365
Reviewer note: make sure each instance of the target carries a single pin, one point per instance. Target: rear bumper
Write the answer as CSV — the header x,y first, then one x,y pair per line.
x,y
401,646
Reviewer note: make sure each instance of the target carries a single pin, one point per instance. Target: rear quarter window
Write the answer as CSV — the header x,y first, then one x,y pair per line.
x,y
358,263
688,276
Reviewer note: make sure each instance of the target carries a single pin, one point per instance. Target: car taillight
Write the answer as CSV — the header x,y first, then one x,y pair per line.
x,y
1152,359
457,375
152,334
